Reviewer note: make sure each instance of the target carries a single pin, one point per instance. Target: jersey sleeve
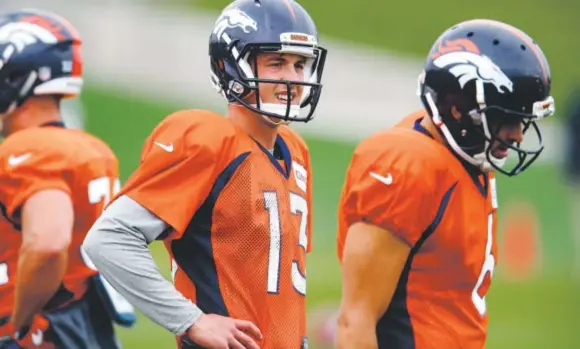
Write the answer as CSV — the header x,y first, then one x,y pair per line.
x,y
27,171
177,170
393,191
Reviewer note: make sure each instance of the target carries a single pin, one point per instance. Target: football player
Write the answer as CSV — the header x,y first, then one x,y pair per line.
x,y
54,183
418,211
229,196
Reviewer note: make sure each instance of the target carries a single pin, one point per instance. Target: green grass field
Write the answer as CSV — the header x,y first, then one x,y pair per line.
x,y
539,313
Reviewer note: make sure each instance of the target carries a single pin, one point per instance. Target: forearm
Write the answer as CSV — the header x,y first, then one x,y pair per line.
x,y
47,221
117,245
39,277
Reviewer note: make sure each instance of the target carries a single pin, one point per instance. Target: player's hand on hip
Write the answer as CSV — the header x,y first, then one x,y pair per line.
x,y
212,331
30,336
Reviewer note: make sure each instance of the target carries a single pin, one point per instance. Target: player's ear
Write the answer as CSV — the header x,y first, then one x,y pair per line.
x,y
451,107
455,113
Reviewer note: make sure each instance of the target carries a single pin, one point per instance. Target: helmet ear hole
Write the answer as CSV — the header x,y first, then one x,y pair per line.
x,y
455,113
450,107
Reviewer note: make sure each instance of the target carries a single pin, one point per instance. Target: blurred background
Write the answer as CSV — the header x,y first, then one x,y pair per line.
x,y
145,59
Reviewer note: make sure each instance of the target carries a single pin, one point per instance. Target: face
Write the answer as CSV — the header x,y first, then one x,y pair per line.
x,y
280,66
5,121
510,132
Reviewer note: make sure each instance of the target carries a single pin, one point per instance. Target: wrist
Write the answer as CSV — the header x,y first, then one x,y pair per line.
x,y
192,322
19,323
195,320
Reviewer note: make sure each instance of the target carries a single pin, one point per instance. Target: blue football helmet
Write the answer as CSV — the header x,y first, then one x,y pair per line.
x,y
488,74
248,27
39,55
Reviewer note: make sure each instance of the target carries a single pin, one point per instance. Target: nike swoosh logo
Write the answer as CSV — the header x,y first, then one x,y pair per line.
x,y
388,180
167,147
17,160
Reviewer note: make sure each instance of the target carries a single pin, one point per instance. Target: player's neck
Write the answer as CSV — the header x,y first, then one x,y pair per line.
x,y
31,114
430,127
254,125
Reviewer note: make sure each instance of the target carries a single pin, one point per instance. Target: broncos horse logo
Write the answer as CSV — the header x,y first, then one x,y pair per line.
x,y
234,18
467,66
17,36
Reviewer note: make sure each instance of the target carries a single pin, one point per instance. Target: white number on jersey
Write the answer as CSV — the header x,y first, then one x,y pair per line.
x,y
298,206
3,274
488,266
100,190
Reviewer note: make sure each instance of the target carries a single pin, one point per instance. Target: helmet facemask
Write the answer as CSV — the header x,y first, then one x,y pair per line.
x,y
243,84
474,135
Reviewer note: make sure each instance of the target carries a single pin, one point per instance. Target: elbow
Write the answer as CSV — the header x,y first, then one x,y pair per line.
x,y
355,319
345,321
356,330
91,244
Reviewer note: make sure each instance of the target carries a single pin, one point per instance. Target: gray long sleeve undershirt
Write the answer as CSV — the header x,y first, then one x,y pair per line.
x,y
117,245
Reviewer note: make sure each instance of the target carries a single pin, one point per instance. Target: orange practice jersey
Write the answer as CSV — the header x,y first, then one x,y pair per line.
x,y
240,218
406,183
45,158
